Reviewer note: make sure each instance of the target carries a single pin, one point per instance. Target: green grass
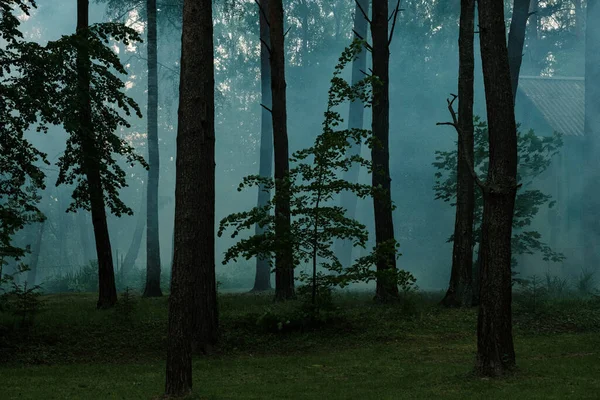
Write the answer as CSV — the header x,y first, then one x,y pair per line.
x,y
364,351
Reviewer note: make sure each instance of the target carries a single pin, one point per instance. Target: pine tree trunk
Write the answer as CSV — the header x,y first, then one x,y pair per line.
x,y
262,280
460,289
152,233
284,261
516,41
348,200
495,349
193,298
107,291
35,255
387,289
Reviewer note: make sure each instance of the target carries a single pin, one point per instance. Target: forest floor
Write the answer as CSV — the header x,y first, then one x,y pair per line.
x,y
415,350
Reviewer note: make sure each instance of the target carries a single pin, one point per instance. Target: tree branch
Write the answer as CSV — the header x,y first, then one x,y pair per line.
x,y
367,45
395,15
262,11
362,11
266,108
458,129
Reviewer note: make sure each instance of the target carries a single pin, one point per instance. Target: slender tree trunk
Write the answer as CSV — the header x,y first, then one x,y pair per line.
x,y
460,289
152,233
193,298
84,235
35,255
495,349
516,41
355,121
262,280
284,261
107,291
534,39
387,289
591,133
136,240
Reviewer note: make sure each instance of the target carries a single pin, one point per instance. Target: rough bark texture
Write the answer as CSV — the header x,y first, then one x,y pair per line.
x,y
152,233
460,289
380,154
136,239
349,200
262,280
107,291
516,41
284,262
495,350
35,254
589,204
192,303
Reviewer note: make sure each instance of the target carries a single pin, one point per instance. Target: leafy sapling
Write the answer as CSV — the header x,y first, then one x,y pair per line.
x,y
314,182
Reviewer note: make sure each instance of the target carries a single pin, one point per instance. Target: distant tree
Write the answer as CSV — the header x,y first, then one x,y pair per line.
x,y
136,239
152,232
284,260
348,201
460,289
193,298
262,280
495,348
589,203
36,245
380,153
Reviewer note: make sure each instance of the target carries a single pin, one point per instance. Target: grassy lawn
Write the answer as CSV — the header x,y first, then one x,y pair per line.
x,y
364,351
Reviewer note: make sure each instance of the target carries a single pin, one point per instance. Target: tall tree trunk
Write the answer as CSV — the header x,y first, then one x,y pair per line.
x,y
591,133
35,254
152,233
284,260
495,349
516,41
355,121
387,289
460,289
107,291
136,239
262,280
193,298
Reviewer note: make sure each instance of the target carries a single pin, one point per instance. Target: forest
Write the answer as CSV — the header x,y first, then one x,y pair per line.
x,y
299,199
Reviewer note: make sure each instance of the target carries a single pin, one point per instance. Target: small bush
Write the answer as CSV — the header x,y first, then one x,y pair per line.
x,y
24,303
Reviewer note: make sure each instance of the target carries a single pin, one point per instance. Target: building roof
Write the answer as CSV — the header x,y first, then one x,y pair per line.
x,y
560,100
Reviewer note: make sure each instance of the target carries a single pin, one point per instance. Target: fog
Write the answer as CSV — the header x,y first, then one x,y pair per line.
x,y
423,74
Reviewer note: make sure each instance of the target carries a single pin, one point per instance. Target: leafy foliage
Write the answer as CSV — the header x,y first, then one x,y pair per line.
x,y
21,177
24,303
313,183
534,157
109,106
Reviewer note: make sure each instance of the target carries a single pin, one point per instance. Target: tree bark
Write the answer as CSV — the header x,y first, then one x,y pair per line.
x,y
35,255
152,233
284,260
591,133
107,291
193,299
516,41
348,200
460,289
495,349
262,280
380,154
